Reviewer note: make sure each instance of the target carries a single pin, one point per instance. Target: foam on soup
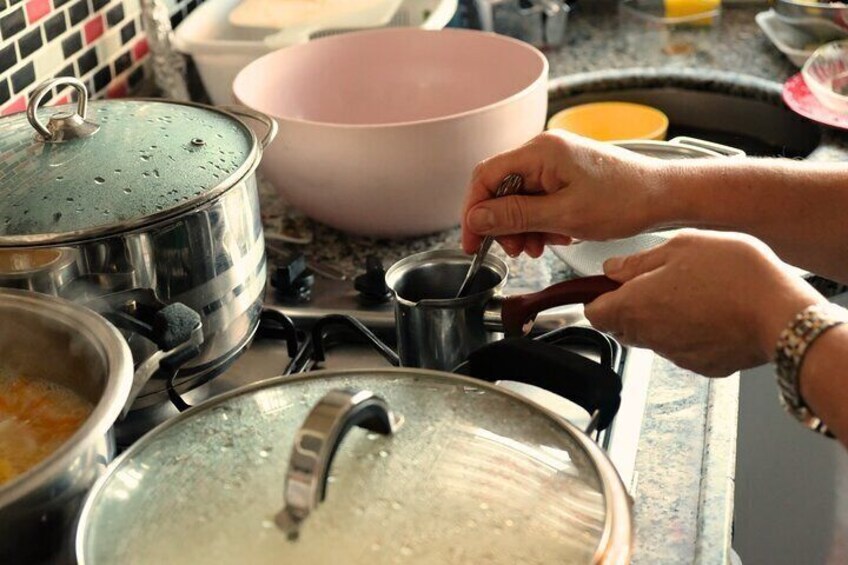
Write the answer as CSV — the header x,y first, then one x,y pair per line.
x,y
36,417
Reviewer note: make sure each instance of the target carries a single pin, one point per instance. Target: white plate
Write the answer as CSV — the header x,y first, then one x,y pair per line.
x,y
587,257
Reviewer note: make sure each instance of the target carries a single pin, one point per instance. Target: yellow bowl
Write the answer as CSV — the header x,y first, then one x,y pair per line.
x,y
612,121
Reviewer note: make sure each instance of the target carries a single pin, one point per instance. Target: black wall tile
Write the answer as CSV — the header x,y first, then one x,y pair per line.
x,y
79,11
67,72
127,33
115,15
60,3
122,63
102,78
30,42
12,23
23,77
87,61
8,57
177,19
99,4
4,91
136,76
55,26
71,44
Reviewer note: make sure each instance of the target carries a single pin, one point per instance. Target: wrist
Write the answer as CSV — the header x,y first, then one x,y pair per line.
x,y
777,311
662,189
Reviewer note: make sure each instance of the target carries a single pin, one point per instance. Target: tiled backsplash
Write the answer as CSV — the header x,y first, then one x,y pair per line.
x,y
99,41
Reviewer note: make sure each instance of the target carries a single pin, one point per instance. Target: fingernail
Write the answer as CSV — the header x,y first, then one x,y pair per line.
x,y
614,264
481,219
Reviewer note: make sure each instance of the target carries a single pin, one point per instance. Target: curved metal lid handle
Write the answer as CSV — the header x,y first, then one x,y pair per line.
x,y
62,125
316,443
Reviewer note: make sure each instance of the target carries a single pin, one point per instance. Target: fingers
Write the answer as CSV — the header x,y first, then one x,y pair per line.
x,y
513,245
515,214
623,269
531,161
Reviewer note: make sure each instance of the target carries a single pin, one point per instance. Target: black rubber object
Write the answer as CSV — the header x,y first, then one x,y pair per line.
x,y
557,370
173,324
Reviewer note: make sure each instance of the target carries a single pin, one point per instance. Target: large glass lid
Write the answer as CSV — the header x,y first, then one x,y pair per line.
x,y
128,162
473,475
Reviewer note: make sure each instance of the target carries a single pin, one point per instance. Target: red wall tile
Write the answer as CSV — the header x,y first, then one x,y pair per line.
x,y
118,89
18,105
93,29
37,9
140,49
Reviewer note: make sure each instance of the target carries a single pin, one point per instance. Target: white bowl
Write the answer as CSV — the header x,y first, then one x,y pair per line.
x,y
826,75
380,130
220,50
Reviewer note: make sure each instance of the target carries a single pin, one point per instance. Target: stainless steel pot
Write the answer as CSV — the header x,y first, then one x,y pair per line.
x,y
151,196
59,341
454,470
436,330
826,21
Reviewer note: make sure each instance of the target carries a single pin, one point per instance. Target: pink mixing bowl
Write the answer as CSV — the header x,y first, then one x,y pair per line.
x,y
380,130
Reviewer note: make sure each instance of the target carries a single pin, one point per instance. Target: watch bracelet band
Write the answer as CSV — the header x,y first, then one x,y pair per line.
x,y
794,341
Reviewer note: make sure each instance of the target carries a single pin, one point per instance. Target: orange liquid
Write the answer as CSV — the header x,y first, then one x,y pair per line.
x,y
36,417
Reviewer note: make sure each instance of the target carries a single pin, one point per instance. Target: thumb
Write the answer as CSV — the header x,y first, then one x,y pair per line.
x,y
622,269
515,214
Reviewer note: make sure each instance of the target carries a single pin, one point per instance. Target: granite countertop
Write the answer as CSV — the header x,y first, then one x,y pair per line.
x,y
683,501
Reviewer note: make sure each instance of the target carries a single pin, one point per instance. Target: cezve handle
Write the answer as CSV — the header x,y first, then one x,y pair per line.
x,y
519,312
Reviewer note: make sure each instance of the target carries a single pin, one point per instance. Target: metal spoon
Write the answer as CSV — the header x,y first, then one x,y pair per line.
x,y
511,184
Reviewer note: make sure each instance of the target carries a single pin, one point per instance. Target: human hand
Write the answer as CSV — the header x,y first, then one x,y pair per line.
x,y
574,188
711,303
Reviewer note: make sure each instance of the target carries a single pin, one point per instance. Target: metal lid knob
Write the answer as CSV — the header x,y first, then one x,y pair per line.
x,y
62,125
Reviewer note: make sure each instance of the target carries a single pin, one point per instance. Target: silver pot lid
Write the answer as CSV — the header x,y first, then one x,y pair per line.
x,y
473,474
92,169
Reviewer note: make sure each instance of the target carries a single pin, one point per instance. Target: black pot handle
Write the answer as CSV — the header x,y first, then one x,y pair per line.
x,y
595,387
175,328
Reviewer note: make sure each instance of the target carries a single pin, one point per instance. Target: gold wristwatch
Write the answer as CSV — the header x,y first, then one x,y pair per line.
x,y
794,341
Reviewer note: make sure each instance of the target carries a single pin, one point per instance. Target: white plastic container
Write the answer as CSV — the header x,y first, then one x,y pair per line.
x,y
220,50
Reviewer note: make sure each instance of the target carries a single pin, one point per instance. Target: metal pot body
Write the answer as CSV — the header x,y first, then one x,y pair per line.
x,y
55,340
435,330
212,259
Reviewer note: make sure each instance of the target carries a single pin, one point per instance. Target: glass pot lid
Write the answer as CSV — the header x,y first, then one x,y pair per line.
x,y
472,473
75,172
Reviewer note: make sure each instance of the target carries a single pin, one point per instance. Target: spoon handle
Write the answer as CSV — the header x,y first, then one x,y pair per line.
x,y
511,184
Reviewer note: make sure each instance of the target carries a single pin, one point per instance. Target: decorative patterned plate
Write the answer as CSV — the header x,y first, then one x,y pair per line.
x,y
800,100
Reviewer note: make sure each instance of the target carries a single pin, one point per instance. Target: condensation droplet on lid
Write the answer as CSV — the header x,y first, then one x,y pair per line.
x,y
509,523
484,506
471,524
99,180
383,453
375,547
118,171
69,198
267,524
60,178
263,453
127,190
57,216
359,511
372,436
405,551
396,505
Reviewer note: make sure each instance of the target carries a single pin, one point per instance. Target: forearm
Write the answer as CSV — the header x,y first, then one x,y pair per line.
x,y
798,209
823,378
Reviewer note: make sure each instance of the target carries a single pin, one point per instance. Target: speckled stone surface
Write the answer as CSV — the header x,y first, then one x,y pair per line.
x,y
683,500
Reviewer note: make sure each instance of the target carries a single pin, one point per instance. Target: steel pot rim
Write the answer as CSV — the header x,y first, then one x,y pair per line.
x,y
119,370
247,168
410,262
614,544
